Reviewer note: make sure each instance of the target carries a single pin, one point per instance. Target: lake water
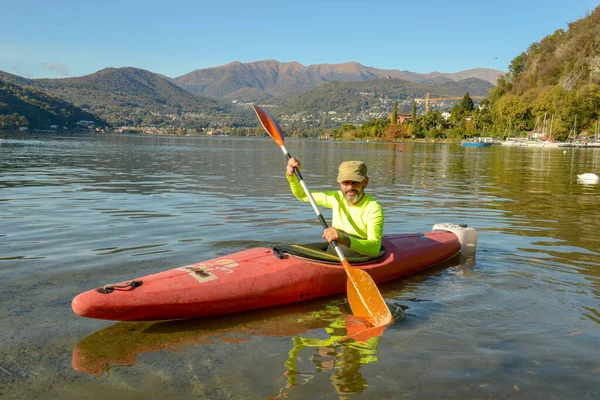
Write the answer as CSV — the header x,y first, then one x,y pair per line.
x,y
519,320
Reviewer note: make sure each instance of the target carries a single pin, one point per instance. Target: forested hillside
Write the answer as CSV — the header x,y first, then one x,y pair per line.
x,y
357,97
129,96
557,78
26,107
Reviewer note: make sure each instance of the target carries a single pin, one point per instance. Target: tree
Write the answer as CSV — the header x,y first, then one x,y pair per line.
x,y
517,65
395,113
414,110
484,120
395,131
432,120
510,108
375,128
461,110
345,132
466,104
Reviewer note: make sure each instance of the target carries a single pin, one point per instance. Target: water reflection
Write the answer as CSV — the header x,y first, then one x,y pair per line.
x,y
79,211
349,345
324,337
120,344
341,343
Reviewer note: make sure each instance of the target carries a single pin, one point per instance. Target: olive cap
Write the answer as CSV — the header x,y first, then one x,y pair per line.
x,y
352,171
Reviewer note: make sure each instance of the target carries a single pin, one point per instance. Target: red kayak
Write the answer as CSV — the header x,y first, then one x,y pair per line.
x,y
261,277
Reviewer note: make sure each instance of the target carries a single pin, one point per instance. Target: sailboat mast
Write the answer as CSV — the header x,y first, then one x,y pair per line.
x,y
544,126
574,129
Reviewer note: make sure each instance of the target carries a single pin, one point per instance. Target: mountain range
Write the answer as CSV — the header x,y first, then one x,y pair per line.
x,y
260,80
212,96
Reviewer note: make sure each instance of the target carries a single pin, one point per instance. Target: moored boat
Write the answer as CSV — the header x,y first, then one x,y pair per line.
x,y
477,142
264,277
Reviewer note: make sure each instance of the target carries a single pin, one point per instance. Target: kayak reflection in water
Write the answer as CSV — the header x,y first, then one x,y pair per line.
x,y
351,344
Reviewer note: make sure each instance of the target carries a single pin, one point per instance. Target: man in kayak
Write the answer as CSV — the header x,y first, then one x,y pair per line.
x,y
357,218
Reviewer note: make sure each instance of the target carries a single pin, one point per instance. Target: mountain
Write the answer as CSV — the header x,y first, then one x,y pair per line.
x,y
335,103
125,96
485,74
355,97
25,107
272,78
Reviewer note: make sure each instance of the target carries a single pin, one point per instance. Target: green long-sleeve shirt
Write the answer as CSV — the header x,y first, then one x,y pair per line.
x,y
363,220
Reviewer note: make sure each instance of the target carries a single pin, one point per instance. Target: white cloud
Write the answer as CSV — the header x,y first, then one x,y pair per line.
x,y
60,68
16,69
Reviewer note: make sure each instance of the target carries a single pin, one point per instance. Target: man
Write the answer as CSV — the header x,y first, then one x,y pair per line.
x,y
357,218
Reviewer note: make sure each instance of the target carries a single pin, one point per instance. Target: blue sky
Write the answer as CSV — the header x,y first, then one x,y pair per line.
x,y
62,38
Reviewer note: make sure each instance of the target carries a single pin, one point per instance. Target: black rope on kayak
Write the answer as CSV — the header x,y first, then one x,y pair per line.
x,y
106,289
278,252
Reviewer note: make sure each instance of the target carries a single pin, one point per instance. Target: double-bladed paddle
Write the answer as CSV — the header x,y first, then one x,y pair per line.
x,y
364,297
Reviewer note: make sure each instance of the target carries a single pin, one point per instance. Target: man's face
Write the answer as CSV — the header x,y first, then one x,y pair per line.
x,y
353,191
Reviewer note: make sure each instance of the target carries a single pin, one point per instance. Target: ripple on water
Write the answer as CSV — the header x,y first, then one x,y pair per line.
x,y
519,319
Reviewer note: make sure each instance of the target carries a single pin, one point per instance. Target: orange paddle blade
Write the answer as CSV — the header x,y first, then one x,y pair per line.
x,y
364,297
270,125
359,330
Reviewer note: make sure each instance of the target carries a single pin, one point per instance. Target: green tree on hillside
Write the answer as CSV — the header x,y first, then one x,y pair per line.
x,y
345,132
375,128
484,119
432,123
461,111
557,79
511,108
517,65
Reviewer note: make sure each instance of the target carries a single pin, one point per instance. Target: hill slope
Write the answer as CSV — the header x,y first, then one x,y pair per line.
x,y
556,80
566,58
21,106
356,97
124,95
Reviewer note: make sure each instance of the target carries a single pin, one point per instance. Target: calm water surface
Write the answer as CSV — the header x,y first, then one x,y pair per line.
x,y
519,320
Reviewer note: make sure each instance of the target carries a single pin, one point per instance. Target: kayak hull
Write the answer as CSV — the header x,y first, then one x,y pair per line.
x,y
253,279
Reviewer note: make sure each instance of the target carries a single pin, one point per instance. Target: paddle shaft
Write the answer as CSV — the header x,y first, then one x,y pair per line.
x,y
314,205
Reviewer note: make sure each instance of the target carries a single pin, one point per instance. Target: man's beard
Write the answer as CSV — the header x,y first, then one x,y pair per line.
x,y
353,196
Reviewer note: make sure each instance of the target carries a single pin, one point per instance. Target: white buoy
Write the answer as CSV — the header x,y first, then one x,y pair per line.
x,y
564,152
588,178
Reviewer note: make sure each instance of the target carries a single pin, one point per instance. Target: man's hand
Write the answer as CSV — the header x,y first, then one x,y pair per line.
x,y
292,162
331,234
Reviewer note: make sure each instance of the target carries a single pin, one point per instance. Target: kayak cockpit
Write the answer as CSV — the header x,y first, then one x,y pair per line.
x,y
318,252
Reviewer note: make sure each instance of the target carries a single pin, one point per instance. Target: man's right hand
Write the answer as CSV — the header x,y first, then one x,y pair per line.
x,y
330,234
292,162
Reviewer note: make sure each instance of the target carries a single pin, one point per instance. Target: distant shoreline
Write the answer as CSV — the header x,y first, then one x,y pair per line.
x,y
509,143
